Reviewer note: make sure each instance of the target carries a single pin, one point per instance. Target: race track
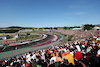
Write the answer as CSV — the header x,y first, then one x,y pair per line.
x,y
28,47
25,45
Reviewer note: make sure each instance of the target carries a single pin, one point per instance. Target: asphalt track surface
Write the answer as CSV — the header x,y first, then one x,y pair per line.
x,y
25,45
25,48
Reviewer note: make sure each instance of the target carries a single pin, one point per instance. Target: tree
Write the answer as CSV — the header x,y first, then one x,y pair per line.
x,y
88,26
55,28
75,26
65,28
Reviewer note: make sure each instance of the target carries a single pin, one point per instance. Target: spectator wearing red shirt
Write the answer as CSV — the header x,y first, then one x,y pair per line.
x,y
78,55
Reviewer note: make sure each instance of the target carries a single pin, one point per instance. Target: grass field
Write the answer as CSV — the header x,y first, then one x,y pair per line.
x,y
28,37
70,37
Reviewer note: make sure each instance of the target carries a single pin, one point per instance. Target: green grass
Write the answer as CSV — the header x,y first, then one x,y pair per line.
x,y
64,36
57,32
33,31
28,37
11,36
70,37
34,35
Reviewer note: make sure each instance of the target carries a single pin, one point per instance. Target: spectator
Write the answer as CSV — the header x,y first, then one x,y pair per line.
x,y
70,54
78,55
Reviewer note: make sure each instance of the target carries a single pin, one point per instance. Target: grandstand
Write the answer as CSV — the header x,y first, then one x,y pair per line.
x,y
83,51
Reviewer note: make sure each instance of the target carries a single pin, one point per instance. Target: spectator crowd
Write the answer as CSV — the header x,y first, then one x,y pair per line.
x,y
79,33
79,53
